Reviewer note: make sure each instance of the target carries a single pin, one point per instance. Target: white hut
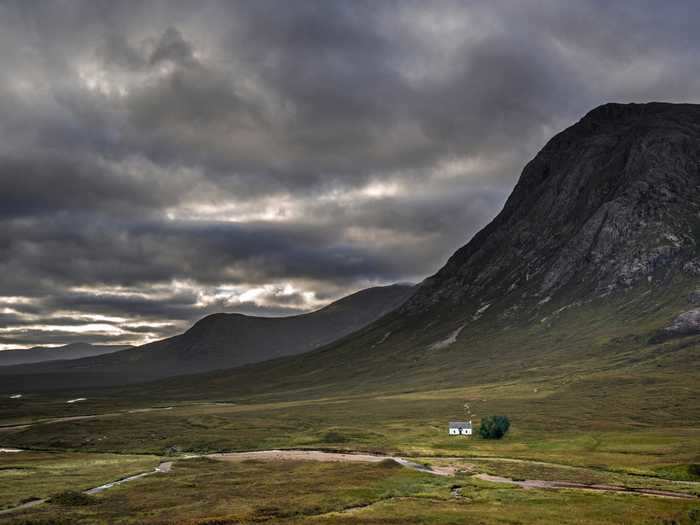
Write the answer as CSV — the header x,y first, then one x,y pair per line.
x,y
460,428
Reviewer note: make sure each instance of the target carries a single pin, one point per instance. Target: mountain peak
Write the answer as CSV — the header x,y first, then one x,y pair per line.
x,y
608,202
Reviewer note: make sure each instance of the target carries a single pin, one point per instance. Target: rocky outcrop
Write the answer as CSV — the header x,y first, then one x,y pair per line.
x,y
687,323
692,267
609,202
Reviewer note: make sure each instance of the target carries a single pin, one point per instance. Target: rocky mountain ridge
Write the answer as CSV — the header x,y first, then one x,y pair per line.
x,y
609,202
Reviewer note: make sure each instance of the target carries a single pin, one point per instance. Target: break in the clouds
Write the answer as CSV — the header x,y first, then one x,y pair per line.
x,y
164,160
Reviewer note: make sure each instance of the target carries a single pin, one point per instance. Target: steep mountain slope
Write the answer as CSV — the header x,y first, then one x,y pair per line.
x,y
593,265
40,354
609,202
218,341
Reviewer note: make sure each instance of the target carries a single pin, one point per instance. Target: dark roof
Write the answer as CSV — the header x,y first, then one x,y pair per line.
x,y
460,424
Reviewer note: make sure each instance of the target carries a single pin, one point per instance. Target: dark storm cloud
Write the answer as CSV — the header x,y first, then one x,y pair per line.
x,y
164,160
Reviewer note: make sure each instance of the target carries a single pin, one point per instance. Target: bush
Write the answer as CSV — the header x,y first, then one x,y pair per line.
x,y
694,515
494,427
72,498
694,469
389,463
334,437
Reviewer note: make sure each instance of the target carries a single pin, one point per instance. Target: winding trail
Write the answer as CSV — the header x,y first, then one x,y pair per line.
x,y
597,487
448,470
349,457
164,467
63,419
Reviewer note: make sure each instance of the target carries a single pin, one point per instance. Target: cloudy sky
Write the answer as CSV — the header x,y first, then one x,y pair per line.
x,y
163,160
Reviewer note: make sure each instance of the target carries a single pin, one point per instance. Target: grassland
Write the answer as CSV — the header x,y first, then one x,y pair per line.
x,y
208,492
589,395
37,475
619,437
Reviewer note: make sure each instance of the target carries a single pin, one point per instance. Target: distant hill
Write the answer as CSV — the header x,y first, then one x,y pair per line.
x,y
219,341
39,354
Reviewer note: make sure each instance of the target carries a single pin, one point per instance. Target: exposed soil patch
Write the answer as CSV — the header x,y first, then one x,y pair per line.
x,y
318,455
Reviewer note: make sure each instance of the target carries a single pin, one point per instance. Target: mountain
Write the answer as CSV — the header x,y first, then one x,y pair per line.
x,y
606,204
590,275
591,269
219,341
40,354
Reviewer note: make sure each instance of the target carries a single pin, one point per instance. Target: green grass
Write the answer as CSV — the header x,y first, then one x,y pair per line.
x,y
38,475
205,491
412,424
583,388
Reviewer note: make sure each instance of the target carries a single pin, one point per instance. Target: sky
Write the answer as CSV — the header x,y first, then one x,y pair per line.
x,y
161,161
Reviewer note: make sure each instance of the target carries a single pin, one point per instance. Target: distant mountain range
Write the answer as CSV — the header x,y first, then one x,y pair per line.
x,y
218,341
39,354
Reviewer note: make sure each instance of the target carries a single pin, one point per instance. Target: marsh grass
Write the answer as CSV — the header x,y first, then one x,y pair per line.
x,y
35,475
306,492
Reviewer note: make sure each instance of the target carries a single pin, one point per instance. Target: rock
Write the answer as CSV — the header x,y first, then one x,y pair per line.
x,y
692,267
694,297
686,323
608,203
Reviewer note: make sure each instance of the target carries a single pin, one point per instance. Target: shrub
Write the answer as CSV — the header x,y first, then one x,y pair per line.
x,y
72,498
494,427
334,437
389,463
694,469
694,515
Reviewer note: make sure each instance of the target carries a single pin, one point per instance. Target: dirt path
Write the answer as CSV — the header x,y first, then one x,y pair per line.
x,y
444,470
348,457
498,459
541,484
164,467
105,415
319,455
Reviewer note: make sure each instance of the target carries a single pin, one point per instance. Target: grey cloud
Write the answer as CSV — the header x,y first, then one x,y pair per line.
x,y
117,116
174,48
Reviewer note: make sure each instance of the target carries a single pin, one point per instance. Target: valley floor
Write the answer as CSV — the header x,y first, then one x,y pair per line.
x,y
291,491
605,430
95,443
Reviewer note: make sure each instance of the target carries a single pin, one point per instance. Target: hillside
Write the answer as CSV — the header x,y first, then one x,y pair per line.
x,y
598,374
606,204
592,266
40,354
218,341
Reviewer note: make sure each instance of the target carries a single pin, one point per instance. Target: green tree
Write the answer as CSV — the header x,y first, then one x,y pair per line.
x,y
494,427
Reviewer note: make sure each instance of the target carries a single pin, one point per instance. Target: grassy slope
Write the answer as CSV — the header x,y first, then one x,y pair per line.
x,y
39,474
582,387
209,492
